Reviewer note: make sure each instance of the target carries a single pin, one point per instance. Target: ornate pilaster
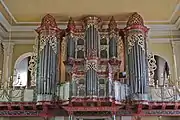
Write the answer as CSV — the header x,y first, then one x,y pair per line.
x,y
136,47
7,62
176,61
1,58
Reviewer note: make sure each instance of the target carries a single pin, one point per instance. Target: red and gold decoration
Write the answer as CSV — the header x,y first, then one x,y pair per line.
x,y
110,72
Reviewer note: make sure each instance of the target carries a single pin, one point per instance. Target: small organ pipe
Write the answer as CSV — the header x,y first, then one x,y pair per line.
x,y
71,48
112,48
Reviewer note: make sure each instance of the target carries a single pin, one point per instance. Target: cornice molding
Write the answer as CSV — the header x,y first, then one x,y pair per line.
x,y
20,41
177,24
21,34
172,19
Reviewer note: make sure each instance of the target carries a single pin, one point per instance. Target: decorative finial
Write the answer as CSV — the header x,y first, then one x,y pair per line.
x,y
112,24
48,23
92,20
135,19
71,25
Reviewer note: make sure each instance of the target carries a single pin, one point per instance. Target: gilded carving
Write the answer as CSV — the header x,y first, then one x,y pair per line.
x,y
112,28
33,63
121,53
135,37
52,39
92,21
90,64
151,68
135,19
63,48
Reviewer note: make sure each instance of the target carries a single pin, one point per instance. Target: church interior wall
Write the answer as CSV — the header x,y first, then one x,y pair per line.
x,y
165,51
20,49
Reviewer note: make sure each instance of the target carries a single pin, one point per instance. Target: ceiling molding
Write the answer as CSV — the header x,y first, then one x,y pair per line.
x,y
172,19
4,22
163,40
177,24
6,8
23,32
63,26
19,41
173,16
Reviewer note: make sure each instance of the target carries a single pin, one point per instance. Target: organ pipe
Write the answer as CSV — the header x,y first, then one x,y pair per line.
x,y
92,53
70,39
113,38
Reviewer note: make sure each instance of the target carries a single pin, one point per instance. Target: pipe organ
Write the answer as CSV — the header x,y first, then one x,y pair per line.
x,y
97,57
92,69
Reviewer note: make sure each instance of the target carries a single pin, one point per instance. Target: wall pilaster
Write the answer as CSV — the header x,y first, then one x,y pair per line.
x,y
7,62
176,58
1,58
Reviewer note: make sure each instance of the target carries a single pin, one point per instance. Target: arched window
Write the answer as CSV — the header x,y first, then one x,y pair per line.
x,y
22,77
162,72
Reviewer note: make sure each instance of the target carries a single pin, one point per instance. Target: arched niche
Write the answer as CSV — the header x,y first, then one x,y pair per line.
x,y
162,72
21,74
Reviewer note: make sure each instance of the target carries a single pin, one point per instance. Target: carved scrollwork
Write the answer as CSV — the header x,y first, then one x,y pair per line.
x,y
79,36
63,48
152,67
32,68
91,65
48,38
104,36
80,47
135,37
103,47
92,21
120,46
33,63
102,68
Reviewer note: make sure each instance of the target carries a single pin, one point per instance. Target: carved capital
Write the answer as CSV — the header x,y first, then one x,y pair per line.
x,y
8,48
